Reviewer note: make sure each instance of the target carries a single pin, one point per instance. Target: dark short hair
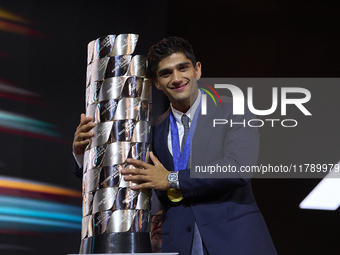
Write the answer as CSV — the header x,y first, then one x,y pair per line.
x,y
164,49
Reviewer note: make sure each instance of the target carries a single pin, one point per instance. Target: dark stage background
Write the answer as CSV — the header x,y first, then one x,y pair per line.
x,y
42,92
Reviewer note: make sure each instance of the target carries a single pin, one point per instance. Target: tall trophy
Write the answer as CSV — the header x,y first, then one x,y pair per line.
x,y
116,219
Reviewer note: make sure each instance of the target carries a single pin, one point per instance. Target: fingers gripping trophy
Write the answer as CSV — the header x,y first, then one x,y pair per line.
x,y
116,219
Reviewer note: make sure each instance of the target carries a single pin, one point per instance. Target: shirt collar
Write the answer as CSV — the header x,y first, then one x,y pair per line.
x,y
190,113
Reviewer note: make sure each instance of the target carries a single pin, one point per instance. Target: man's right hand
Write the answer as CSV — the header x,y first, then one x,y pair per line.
x,y
82,135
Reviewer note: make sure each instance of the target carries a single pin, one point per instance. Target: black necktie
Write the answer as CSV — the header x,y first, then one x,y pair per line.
x,y
185,121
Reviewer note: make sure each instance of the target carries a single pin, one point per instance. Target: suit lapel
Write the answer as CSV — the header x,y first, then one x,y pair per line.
x,y
161,141
203,130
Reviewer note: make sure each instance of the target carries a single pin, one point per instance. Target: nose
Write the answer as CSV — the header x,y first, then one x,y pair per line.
x,y
159,225
176,77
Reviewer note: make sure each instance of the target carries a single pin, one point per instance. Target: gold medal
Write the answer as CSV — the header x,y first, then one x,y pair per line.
x,y
174,195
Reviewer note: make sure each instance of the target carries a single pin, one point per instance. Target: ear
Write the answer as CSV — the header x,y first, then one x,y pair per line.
x,y
156,83
198,70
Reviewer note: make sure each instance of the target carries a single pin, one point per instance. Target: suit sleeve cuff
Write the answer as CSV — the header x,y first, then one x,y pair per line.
x,y
79,159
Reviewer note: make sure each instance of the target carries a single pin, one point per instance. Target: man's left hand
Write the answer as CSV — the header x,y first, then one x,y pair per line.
x,y
146,175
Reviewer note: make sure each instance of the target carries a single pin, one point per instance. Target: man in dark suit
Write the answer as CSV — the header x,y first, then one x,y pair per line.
x,y
202,215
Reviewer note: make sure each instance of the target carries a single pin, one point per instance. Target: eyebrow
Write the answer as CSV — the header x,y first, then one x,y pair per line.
x,y
169,69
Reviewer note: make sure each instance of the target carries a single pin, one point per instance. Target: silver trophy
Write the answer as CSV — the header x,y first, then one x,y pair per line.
x,y
116,219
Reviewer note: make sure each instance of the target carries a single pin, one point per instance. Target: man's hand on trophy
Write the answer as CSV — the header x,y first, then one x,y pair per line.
x,y
82,135
146,175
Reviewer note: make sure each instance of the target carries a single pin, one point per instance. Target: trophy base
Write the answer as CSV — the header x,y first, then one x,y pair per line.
x,y
122,242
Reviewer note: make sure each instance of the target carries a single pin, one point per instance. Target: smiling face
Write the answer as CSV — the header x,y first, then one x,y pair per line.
x,y
173,77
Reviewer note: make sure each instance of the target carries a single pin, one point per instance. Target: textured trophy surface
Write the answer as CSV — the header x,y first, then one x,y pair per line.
x,y
116,219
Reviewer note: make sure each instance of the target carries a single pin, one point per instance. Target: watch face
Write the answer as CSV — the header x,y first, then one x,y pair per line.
x,y
172,177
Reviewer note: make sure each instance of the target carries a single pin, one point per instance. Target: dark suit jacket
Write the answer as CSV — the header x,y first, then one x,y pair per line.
x,y
224,209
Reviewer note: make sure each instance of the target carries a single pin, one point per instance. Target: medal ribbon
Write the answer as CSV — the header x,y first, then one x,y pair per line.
x,y
181,160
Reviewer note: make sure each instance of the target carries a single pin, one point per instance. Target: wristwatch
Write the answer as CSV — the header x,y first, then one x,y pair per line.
x,y
173,180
